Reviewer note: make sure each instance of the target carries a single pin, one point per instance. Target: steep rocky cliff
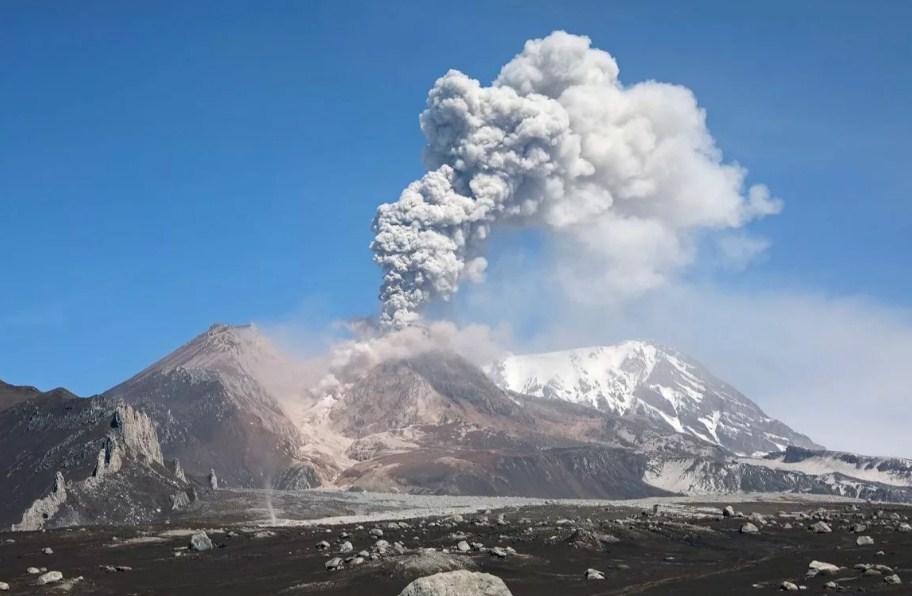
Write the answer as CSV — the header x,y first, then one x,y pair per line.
x,y
82,461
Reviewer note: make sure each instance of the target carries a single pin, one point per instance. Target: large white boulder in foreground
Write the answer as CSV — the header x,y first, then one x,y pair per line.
x,y
457,583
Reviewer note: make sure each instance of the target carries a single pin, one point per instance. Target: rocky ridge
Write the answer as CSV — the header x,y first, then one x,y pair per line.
x,y
78,461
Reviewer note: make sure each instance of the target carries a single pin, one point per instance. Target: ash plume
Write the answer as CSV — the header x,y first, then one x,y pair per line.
x,y
351,359
626,175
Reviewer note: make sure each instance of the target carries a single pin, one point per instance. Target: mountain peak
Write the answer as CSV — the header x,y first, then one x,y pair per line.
x,y
647,379
239,352
232,349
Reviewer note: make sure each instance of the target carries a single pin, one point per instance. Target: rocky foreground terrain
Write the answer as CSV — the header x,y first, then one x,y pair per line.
x,y
380,545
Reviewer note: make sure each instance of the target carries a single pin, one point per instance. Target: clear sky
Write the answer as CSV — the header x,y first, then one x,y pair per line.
x,y
168,165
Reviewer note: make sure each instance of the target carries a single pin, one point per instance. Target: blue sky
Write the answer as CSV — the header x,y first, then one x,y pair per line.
x,y
168,165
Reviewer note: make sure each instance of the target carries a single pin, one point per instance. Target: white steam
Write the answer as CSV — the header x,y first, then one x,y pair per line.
x,y
625,174
352,359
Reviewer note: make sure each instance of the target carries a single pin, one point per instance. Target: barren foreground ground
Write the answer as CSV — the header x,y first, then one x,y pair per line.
x,y
684,548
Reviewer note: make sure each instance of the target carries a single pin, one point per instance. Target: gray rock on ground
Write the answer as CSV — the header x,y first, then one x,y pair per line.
x,y
49,578
821,527
594,574
749,528
200,542
333,564
823,568
729,511
4,587
893,579
788,587
431,562
457,583
864,541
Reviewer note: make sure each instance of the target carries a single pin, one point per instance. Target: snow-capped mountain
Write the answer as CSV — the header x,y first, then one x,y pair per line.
x,y
640,378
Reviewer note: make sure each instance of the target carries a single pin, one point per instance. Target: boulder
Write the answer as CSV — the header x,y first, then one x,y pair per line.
x,y
729,511
457,583
749,528
893,579
49,578
333,564
821,527
864,541
430,562
200,542
788,587
823,568
594,574
4,587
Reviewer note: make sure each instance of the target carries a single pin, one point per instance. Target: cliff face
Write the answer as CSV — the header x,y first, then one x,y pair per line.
x,y
132,435
83,461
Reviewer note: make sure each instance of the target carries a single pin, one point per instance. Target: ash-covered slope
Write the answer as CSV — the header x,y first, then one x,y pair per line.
x,y
75,461
644,379
214,403
433,389
436,423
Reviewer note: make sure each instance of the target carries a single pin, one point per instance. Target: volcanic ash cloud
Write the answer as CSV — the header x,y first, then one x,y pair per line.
x,y
626,175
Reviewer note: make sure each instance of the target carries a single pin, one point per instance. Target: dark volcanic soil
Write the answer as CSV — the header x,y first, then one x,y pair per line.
x,y
677,551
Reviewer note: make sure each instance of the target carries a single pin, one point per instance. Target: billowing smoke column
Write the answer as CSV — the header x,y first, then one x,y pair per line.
x,y
627,173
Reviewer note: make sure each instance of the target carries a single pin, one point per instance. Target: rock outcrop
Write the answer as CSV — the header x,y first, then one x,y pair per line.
x,y
44,508
82,461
